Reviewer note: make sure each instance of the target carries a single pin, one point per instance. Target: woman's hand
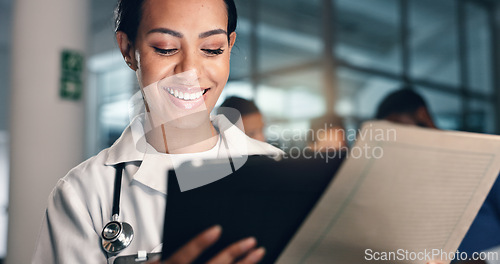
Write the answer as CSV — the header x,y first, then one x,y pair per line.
x,y
194,248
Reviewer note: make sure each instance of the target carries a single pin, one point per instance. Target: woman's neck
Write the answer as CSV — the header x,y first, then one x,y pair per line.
x,y
176,138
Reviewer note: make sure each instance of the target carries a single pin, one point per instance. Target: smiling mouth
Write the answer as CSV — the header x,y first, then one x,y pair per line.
x,y
186,96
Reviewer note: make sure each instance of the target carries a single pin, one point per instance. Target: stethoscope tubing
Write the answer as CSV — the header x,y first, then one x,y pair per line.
x,y
123,239
116,235
117,188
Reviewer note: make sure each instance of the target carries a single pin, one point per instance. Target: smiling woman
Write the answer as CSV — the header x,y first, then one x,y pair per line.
x,y
180,51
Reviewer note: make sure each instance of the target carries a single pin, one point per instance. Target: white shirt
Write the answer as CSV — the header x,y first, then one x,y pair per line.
x,y
81,203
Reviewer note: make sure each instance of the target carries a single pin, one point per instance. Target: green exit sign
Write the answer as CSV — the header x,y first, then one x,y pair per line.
x,y
72,63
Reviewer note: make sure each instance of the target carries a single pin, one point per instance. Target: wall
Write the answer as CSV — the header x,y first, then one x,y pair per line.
x,y
5,33
47,131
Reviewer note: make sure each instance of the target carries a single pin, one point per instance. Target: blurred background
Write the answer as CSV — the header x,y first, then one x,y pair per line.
x,y
298,59
301,58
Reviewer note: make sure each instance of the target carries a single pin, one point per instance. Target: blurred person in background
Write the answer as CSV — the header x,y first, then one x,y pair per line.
x,y
327,133
253,121
405,106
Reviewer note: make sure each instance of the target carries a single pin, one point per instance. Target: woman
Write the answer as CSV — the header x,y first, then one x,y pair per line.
x,y
180,51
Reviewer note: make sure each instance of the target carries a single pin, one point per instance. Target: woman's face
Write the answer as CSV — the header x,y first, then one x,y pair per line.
x,y
182,52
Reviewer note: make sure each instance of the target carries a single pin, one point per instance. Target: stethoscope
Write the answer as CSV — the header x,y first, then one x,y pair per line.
x,y
117,235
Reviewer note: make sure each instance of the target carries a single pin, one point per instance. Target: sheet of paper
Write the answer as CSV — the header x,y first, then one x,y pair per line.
x,y
404,195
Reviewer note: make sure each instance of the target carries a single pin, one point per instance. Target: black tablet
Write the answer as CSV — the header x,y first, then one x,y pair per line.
x,y
265,198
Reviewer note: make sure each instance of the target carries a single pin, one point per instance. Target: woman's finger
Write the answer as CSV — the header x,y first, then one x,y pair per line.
x,y
189,252
234,251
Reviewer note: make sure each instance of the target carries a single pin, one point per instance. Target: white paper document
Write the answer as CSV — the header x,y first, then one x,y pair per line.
x,y
404,194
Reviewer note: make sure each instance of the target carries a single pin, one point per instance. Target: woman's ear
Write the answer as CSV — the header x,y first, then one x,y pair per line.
x,y
232,40
127,49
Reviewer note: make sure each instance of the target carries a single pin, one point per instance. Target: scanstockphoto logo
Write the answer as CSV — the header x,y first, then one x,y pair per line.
x,y
331,142
427,255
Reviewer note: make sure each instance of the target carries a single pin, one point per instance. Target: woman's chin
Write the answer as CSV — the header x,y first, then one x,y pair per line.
x,y
190,121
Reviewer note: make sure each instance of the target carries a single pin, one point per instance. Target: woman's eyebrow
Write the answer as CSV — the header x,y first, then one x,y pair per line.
x,y
166,31
212,32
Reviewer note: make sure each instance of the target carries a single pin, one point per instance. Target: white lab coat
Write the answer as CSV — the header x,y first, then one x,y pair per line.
x,y
81,203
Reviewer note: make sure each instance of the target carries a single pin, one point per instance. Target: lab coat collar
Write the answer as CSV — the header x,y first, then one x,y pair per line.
x,y
131,146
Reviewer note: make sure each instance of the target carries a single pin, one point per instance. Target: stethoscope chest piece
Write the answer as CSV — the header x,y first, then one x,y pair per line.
x,y
116,236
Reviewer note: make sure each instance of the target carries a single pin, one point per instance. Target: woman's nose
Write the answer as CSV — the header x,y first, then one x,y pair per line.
x,y
187,62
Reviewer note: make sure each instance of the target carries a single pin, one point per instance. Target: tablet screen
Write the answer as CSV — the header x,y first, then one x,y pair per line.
x,y
266,199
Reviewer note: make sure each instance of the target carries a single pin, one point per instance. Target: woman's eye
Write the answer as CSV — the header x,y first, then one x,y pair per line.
x,y
166,51
213,52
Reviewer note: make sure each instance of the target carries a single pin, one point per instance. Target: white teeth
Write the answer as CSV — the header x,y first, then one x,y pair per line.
x,y
184,95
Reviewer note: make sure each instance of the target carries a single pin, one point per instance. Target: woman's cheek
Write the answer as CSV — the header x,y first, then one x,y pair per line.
x,y
220,70
154,72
